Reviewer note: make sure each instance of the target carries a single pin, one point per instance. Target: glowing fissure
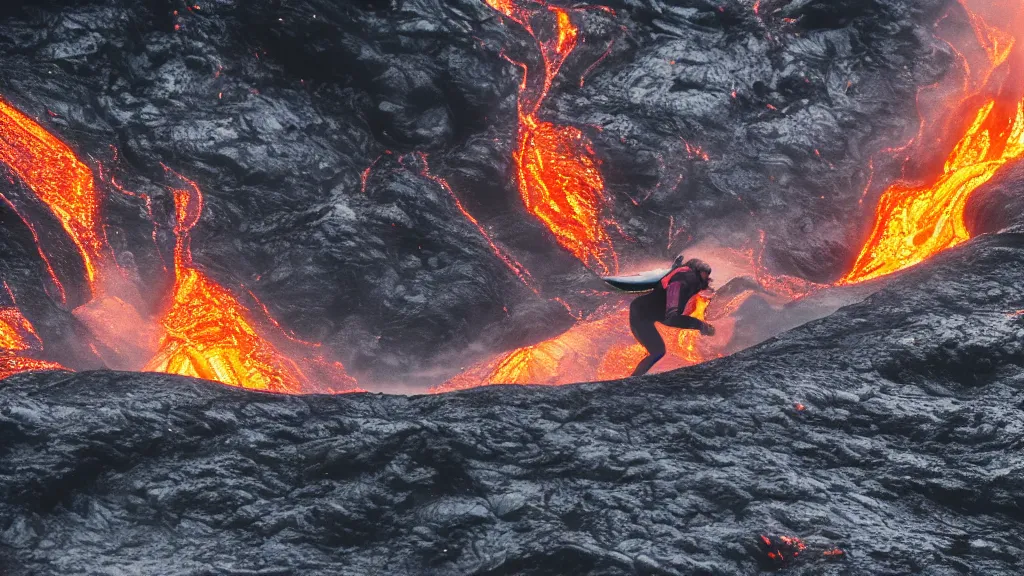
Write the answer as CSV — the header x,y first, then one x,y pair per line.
x,y
61,294
517,268
558,177
913,222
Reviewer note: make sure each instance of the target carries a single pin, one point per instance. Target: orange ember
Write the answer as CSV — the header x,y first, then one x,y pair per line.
x,y
913,222
783,548
559,180
51,170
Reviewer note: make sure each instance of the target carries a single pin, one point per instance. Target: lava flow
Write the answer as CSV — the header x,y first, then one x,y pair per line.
x,y
913,222
59,179
207,333
559,179
598,348
18,338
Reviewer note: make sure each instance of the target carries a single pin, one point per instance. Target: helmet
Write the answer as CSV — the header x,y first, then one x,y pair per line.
x,y
698,265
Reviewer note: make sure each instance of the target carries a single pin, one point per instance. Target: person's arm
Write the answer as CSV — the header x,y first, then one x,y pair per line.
x,y
674,306
685,322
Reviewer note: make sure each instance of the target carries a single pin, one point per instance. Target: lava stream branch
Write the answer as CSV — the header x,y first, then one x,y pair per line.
x,y
558,176
19,339
914,222
208,332
59,179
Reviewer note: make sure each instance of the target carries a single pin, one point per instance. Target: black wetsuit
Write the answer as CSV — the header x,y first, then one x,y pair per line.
x,y
682,284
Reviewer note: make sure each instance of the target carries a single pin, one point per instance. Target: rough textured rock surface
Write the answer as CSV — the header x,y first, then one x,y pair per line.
x,y
904,456
278,108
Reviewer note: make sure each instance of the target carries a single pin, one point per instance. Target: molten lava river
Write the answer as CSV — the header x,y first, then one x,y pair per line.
x,y
223,333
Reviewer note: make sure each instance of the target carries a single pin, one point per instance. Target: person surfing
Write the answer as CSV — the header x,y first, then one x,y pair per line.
x,y
665,302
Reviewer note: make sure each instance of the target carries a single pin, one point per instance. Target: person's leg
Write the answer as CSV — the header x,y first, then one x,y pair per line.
x,y
647,335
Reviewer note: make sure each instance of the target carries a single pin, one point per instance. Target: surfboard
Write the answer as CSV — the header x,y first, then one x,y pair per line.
x,y
641,282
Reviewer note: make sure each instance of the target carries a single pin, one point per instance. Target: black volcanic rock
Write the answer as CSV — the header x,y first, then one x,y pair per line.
x,y
278,108
888,432
998,204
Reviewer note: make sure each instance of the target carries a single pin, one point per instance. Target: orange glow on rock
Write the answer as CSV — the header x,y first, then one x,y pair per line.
x,y
53,172
914,222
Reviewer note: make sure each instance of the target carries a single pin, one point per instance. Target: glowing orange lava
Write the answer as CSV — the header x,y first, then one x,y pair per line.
x,y
11,364
598,348
208,336
573,356
559,180
13,329
208,332
53,172
913,222
18,337
564,189
686,340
